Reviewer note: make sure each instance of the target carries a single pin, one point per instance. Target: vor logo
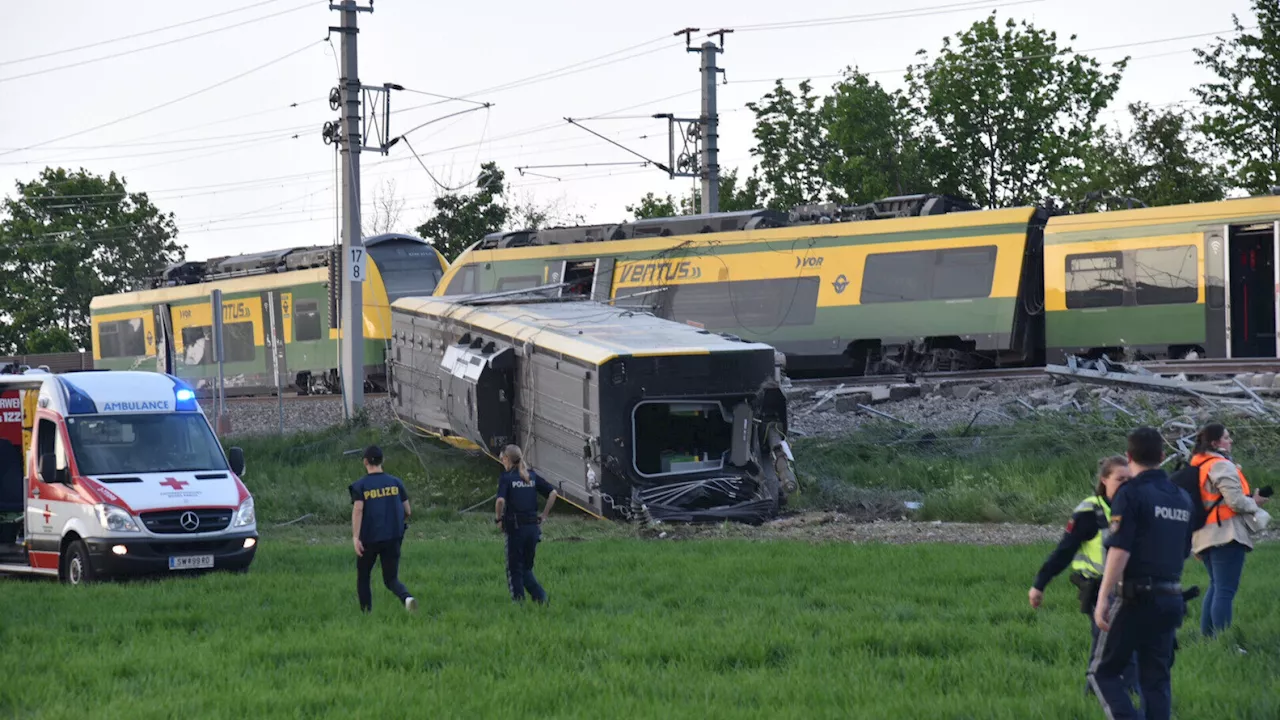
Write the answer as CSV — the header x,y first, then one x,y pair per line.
x,y
840,284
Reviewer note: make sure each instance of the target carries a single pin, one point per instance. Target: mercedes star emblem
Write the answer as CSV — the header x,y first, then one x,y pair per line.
x,y
189,521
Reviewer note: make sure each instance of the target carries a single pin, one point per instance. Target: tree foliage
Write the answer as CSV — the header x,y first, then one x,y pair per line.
x,y
461,220
1162,160
735,196
1000,113
872,151
387,209
65,238
791,146
1244,102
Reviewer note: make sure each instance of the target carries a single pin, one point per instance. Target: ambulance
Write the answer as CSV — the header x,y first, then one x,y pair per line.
x,y
107,474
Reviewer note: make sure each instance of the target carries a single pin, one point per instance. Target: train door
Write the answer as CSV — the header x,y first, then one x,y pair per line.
x,y
1250,290
164,339
275,307
579,277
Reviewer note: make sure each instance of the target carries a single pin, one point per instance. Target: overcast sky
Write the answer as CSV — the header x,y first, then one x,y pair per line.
x,y
226,161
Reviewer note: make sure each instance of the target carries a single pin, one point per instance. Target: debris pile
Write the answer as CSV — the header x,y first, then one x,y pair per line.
x,y
1080,387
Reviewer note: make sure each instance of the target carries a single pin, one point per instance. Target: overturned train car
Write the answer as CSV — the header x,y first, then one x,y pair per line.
x,y
629,416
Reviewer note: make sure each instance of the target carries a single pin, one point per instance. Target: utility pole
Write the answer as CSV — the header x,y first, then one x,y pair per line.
x,y
353,255
709,162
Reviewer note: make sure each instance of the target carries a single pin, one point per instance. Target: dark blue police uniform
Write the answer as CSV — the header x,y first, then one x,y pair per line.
x,y
521,525
1150,518
381,532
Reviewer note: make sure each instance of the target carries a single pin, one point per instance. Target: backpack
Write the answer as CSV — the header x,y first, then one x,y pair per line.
x,y
1187,477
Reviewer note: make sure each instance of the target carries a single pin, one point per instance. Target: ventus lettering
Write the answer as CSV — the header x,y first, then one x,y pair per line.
x,y
646,273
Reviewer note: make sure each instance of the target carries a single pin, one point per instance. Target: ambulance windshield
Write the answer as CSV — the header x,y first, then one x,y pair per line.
x,y
144,443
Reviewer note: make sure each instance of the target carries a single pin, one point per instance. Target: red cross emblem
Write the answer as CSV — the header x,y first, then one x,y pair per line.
x,y
47,514
175,483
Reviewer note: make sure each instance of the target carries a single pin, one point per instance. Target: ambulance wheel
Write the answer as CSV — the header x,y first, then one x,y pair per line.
x,y
76,569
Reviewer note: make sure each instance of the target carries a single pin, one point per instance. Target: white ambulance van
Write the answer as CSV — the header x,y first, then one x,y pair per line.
x,y
107,474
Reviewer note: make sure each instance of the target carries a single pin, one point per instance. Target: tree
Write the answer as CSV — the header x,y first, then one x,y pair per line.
x,y
1001,113
68,237
526,213
791,146
387,208
1161,161
1244,103
733,198
652,206
461,220
47,340
872,151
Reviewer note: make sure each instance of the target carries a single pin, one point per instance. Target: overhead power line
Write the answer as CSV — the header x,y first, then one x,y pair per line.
x,y
153,31
123,53
900,14
166,104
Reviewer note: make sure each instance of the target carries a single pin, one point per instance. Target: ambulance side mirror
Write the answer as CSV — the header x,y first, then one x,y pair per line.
x,y
48,468
235,456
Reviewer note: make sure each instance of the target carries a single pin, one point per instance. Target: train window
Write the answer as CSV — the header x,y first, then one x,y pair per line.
x,y
963,273
197,345
746,304
306,320
897,277
522,282
680,437
237,342
1095,280
408,268
463,282
122,338
1167,276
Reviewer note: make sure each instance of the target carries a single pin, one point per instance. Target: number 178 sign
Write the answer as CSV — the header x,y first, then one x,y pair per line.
x,y
355,264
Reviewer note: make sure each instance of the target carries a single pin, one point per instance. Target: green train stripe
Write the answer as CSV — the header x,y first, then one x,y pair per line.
x,y
1122,326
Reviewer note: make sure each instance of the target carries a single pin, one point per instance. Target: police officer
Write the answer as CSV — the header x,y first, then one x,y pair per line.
x,y
1140,604
516,511
379,515
1081,549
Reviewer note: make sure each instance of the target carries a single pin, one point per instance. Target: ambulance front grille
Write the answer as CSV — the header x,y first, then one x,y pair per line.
x,y
171,521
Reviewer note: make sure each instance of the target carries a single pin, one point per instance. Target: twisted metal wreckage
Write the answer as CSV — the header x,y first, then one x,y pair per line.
x,y
628,415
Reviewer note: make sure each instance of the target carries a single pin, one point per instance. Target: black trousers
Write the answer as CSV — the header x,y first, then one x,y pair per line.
x,y
389,551
522,546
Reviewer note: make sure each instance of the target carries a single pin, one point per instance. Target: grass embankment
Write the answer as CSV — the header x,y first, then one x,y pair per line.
x,y
700,629
1033,470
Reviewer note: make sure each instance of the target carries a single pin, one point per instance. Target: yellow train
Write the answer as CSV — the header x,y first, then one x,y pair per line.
x,y
169,326
923,283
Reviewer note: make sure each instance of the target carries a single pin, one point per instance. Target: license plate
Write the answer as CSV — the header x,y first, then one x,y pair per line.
x,y
190,562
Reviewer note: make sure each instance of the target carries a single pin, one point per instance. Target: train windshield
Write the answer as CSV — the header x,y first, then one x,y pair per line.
x,y
144,443
409,268
673,438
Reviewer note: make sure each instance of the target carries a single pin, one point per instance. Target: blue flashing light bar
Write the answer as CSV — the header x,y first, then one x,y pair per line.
x,y
78,401
183,396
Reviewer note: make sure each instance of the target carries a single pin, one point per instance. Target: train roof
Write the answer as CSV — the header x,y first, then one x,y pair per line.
x,y
589,331
1161,220
903,206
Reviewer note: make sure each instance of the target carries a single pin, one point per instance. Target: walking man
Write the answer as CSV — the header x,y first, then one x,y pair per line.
x,y
1140,604
379,515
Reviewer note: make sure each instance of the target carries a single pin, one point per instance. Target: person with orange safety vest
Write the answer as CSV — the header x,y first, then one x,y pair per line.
x,y
1234,515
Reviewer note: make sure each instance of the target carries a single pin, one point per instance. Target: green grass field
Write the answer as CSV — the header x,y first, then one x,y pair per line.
x,y
636,628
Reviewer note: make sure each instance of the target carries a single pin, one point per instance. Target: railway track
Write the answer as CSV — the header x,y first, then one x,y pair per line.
x,y
288,396
1207,366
